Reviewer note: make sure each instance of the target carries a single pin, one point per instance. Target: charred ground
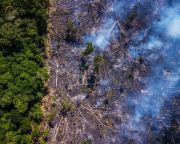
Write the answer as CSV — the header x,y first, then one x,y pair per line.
x,y
89,86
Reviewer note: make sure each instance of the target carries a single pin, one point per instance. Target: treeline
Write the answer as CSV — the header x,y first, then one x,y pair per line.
x,y
23,25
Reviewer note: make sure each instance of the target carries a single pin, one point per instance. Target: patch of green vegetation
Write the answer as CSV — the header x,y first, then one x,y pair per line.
x,y
89,49
70,32
87,142
67,106
98,63
52,114
43,139
84,66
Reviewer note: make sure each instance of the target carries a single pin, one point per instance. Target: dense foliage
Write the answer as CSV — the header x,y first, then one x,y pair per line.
x,y
22,32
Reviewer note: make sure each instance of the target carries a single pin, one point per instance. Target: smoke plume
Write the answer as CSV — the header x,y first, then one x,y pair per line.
x,y
161,49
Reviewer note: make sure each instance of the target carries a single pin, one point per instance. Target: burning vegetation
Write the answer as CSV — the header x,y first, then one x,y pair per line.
x,y
114,72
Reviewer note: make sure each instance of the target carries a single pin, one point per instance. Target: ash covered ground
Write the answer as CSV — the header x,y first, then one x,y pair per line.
x,y
114,72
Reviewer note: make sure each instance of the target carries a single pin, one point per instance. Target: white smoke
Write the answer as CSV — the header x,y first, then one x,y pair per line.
x,y
164,80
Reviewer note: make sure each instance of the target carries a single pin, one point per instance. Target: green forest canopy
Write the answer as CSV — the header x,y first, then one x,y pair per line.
x,y
22,73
